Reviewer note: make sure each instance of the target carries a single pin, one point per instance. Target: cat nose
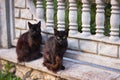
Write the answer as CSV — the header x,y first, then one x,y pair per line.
x,y
60,40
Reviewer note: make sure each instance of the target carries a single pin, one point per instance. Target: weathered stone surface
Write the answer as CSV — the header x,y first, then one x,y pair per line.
x,y
2,65
4,24
19,74
82,72
36,75
9,54
23,31
88,46
29,79
17,12
73,43
25,13
95,59
20,23
98,76
22,71
119,51
20,3
108,49
49,77
118,78
17,33
31,6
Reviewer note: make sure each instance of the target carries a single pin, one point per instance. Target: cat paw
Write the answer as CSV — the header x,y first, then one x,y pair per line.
x,y
62,67
20,59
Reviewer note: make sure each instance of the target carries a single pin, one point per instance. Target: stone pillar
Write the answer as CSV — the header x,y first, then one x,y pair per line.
x,y
86,17
50,16
73,26
61,15
100,18
115,20
5,22
39,10
40,14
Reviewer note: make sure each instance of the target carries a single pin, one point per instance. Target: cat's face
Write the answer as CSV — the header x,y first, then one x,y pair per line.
x,y
61,36
34,29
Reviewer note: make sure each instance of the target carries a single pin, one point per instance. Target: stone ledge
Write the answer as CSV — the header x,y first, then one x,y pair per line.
x,y
73,71
104,39
95,59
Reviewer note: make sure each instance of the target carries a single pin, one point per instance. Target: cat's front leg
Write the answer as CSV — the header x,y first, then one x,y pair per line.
x,y
62,67
36,55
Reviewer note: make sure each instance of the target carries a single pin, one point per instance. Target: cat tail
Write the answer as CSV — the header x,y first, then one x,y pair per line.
x,y
56,66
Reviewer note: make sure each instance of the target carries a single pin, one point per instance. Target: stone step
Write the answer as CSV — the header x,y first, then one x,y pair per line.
x,y
93,58
75,70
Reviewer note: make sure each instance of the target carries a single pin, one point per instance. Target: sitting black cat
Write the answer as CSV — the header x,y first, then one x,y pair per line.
x,y
54,50
28,45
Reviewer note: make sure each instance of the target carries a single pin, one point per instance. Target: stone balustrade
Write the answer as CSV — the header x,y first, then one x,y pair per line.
x,y
86,17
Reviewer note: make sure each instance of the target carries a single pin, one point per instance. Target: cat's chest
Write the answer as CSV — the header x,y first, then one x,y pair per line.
x,y
34,43
61,48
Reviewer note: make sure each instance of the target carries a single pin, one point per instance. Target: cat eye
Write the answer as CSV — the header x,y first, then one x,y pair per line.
x,y
64,37
58,37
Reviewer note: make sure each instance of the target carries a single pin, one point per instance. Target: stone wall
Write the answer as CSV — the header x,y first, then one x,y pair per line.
x,y
22,16
26,73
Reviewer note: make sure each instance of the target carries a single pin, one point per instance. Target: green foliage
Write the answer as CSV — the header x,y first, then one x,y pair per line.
x,y
107,19
6,75
44,6
92,23
79,15
66,14
34,1
55,13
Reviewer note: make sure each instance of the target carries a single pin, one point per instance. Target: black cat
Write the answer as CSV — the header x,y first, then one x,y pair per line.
x,y
54,50
28,45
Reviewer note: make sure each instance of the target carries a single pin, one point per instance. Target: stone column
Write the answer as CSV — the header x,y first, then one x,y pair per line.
x,y
86,17
115,20
39,10
73,26
61,15
100,18
50,16
6,16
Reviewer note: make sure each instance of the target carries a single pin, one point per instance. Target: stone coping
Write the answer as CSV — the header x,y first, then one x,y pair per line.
x,y
80,36
73,71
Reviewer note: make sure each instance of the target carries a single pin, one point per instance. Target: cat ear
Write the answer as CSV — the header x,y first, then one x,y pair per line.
x,y
66,31
30,25
39,23
55,31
